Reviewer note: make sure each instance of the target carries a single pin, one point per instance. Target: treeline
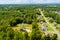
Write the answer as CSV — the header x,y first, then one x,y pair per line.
x,y
15,17
7,33
53,15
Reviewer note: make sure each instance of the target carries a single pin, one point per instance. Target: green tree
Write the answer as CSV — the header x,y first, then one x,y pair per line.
x,y
36,33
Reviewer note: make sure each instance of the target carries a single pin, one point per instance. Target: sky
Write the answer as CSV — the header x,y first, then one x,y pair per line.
x,y
28,1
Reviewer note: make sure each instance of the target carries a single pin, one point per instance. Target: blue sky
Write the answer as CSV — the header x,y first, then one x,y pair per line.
x,y
28,1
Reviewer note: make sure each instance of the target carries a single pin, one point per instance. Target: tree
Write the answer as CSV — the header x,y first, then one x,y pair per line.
x,y
48,37
36,33
54,37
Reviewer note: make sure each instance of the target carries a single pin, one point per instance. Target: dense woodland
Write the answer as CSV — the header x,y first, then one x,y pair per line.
x,y
10,16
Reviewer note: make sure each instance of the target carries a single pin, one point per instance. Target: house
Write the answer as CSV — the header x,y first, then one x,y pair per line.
x,y
44,28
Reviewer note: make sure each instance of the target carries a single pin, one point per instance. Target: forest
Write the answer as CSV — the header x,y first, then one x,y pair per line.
x,y
28,23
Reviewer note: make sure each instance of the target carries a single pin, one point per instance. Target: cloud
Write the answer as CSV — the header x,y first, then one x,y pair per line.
x,y
46,1
14,1
27,1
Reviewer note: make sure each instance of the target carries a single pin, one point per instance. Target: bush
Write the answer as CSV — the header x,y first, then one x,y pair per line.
x,y
54,37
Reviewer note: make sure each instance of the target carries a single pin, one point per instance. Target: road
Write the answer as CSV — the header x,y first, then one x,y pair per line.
x,y
54,29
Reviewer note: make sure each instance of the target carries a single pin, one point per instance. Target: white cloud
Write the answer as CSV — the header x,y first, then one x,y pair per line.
x,y
27,1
